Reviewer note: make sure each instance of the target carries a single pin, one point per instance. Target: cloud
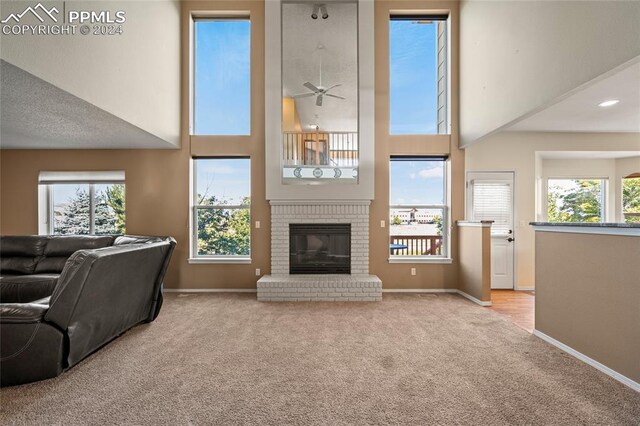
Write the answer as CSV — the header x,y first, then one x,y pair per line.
x,y
432,173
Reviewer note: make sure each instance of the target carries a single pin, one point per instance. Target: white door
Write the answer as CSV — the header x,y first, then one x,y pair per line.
x,y
490,197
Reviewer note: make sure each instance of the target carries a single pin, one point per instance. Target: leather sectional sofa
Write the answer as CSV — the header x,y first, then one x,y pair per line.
x,y
64,297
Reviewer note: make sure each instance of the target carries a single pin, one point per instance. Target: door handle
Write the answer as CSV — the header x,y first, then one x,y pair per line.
x,y
511,239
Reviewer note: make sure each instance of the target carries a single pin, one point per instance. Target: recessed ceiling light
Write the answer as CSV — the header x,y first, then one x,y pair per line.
x,y
608,103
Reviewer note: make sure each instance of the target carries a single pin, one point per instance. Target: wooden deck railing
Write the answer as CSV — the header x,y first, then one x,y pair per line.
x,y
416,245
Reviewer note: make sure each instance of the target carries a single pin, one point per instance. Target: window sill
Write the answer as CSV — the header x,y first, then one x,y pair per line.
x,y
420,259
219,260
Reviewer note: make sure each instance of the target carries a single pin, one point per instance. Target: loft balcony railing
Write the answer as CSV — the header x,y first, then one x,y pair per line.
x,y
332,149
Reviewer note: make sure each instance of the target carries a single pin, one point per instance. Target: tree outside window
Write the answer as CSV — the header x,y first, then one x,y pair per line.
x,y
576,200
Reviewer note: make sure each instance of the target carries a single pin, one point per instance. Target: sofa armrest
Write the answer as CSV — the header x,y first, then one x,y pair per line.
x,y
22,313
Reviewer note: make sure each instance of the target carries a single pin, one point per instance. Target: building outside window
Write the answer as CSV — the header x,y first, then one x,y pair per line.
x,y
418,75
418,211
222,77
82,203
576,200
221,208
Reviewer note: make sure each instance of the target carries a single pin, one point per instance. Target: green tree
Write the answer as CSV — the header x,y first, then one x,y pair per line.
x,y
579,204
397,220
223,231
438,221
109,216
631,199
74,218
114,197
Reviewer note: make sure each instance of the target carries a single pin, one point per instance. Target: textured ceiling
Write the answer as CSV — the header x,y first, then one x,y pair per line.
x,y
579,112
35,114
301,59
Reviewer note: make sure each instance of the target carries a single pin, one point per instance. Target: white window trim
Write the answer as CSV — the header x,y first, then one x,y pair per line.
x,y
445,257
194,257
218,15
418,14
47,179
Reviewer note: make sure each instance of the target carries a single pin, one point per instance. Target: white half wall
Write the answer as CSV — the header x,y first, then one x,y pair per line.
x,y
518,57
134,76
518,152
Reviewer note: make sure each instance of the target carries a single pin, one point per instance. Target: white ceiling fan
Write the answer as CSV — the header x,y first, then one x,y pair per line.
x,y
319,91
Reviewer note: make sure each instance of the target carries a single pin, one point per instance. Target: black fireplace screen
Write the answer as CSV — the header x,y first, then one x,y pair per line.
x,y
320,248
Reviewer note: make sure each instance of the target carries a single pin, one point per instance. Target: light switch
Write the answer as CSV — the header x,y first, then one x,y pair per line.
x,y
257,224
382,224
413,271
257,272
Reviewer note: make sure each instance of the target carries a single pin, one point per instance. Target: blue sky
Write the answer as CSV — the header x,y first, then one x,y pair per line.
x,y
413,74
416,182
222,77
227,179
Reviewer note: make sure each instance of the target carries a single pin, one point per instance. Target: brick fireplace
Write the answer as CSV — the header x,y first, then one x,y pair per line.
x,y
357,286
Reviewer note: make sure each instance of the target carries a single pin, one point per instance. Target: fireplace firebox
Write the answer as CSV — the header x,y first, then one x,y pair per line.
x,y
320,248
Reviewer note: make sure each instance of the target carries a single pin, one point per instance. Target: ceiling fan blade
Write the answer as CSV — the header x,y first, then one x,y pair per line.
x,y
310,86
335,85
303,95
319,100
334,96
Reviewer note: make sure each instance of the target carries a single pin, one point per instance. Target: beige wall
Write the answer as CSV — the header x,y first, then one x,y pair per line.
x,y
475,261
588,296
535,52
134,76
399,275
511,151
158,181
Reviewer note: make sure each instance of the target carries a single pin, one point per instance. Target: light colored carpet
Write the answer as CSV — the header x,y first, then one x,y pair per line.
x,y
411,359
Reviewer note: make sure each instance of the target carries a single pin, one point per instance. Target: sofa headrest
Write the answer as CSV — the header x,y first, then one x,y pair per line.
x,y
137,239
22,245
63,245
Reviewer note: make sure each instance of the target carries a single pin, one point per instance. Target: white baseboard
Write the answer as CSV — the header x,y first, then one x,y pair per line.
x,y
437,290
473,299
592,362
524,289
419,290
209,290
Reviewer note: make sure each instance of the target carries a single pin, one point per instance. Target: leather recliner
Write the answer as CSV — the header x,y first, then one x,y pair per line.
x,y
99,294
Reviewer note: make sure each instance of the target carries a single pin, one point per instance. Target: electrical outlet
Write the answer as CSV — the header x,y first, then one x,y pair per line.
x,y
413,271
257,272
257,224
382,224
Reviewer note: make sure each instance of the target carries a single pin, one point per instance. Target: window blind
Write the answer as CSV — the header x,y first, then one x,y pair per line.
x,y
492,201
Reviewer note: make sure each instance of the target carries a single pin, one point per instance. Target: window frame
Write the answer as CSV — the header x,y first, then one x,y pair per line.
x,y
47,203
405,15
194,257
216,16
604,195
445,257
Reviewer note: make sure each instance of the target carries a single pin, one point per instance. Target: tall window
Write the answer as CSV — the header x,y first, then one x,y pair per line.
x,y
82,207
222,77
576,200
418,213
222,201
631,199
418,75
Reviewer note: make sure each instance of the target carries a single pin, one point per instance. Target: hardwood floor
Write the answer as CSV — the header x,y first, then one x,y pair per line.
x,y
517,305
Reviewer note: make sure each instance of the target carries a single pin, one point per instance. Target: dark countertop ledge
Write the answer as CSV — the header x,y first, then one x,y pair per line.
x,y
587,225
